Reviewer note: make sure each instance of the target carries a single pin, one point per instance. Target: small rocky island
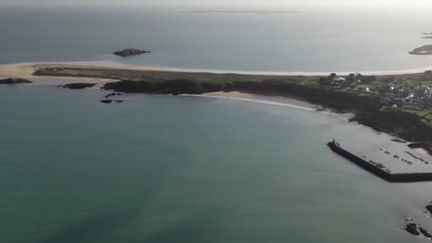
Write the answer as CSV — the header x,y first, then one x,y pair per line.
x,y
14,81
130,52
423,50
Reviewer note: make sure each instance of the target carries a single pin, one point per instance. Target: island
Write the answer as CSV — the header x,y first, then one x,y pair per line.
x,y
423,50
130,52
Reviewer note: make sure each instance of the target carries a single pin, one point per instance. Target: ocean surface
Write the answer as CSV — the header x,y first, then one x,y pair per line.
x,y
188,169
295,39
193,169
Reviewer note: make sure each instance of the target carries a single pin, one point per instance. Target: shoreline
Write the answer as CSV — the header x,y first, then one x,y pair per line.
x,y
25,70
274,100
303,92
262,99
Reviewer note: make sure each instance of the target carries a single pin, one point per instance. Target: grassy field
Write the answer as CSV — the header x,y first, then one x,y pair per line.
x,y
157,76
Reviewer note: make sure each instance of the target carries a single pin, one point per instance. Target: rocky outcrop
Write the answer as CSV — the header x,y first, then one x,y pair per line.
x,y
423,50
78,85
106,101
175,87
412,228
130,52
14,81
416,230
429,209
112,94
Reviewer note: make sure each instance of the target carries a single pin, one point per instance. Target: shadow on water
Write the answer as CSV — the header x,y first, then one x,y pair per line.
x,y
199,227
123,228
107,228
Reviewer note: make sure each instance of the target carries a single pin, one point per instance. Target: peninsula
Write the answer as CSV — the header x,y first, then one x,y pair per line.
x,y
399,104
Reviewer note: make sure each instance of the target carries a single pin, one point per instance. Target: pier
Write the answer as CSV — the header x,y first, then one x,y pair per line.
x,y
383,169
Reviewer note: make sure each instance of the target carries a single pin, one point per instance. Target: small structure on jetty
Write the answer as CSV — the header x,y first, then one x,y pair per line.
x,y
403,167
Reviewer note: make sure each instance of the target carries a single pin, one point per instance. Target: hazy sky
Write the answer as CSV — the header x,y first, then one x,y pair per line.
x,y
402,3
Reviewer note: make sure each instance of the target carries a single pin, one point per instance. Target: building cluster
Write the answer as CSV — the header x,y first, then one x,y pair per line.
x,y
416,95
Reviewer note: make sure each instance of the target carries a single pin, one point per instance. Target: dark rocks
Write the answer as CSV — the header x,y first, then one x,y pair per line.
x,y
106,101
425,233
175,87
130,52
14,81
429,209
412,228
112,94
416,230
78,85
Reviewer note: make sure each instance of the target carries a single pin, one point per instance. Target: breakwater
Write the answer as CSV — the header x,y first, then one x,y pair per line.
x,y
378,168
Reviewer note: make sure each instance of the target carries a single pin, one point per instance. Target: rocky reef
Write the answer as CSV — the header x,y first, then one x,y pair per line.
x,y
417,230
175,87
423,50
78,85
106,101
428,209
112,94
130,52
14,81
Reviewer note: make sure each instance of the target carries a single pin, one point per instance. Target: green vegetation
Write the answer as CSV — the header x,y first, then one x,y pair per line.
x,y
158,76
398,104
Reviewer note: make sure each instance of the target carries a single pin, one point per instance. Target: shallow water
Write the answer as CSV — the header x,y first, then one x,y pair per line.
x,y
187,169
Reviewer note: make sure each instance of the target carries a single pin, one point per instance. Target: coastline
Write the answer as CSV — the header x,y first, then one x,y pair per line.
x,y
264,99
26,69
302,92
285,101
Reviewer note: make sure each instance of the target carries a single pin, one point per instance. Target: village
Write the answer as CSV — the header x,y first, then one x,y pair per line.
x,y
407,93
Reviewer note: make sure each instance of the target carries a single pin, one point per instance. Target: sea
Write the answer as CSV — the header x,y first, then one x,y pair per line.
x,y
296,39
164,169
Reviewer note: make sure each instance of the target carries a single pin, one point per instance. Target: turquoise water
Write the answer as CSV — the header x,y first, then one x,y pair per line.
x,y
308,39
187,169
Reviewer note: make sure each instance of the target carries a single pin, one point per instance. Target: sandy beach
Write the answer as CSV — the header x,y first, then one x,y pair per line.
x,y
25,70
266,99
286,101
